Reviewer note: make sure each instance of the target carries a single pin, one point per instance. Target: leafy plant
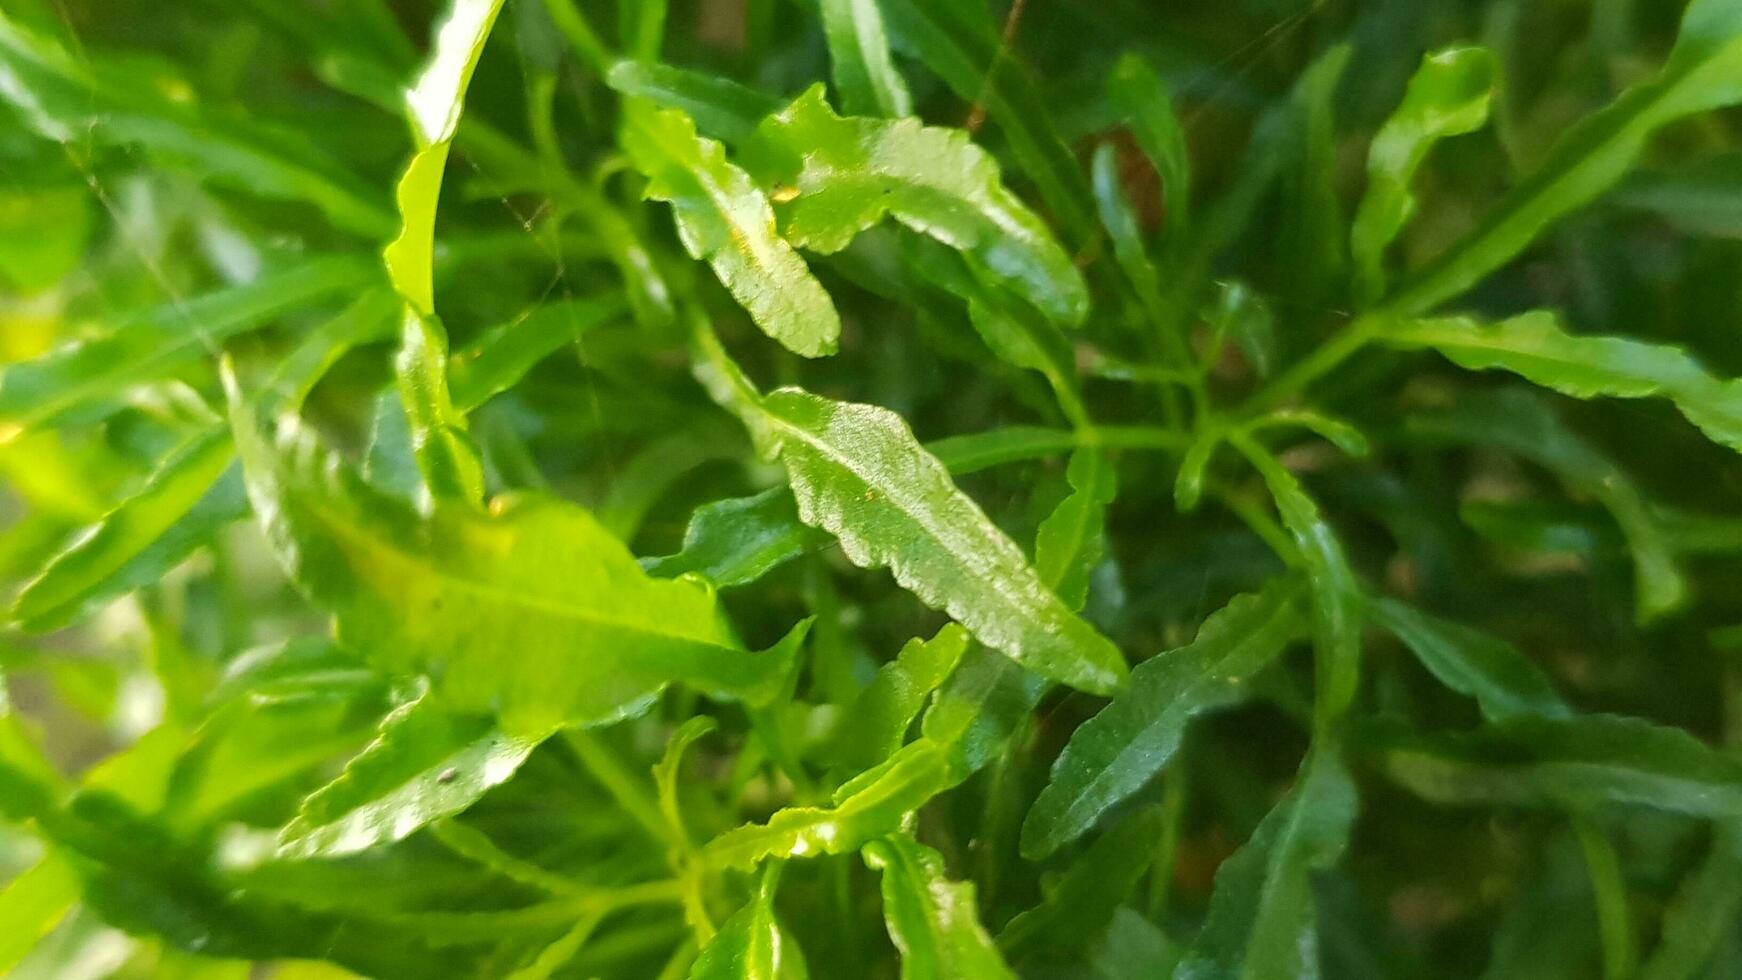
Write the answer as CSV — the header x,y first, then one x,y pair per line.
x,y
870,488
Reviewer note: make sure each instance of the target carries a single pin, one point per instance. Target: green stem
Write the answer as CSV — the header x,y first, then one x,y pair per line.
x,y
1345,344
1619,955
602,764
580,34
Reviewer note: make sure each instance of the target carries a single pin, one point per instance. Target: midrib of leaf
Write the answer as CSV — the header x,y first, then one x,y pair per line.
x,y
554,608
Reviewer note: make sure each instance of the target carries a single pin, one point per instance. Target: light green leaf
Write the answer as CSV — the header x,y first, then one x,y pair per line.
x,y
858,473
752,945
1492,671
531,611
723,218
850,173
1069,545
74,100
1519,423
1448,96
666,774
1336,594
424,765
961,45
1113,754
32,904
193,492
153,343
1573,763
43,233
1535,346
866,808
865,76
739,540
932,920
1082,904
1142,98
500,356
877,722
445,453
1704,72
1261,921
437,98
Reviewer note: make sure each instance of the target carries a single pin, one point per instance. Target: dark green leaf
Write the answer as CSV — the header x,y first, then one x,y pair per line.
x,y
1492,671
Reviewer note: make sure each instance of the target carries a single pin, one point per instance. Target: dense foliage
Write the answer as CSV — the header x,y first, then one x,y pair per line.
x,y
1228,488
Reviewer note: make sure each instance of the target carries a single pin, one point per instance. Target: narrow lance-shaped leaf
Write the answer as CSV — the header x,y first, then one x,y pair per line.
x,y
932,920
1504,683
32,903
425,764
723,218
153,343
1521,424
1574,763
445,454
532,610
1704,72
1261,921
961,45
1113,754
752,945
877,723
858,473
721,108
193,492
1082,904
75,101
1336,594
969,724
849,173
499,357
1535,346
1706,909
1448,96
1139,94
859,56
737,541
1068,544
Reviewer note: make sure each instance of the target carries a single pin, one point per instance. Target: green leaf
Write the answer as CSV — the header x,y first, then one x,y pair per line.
x,y
877,722
499,357
193,492
153,343
1082,904
1571,763
739,540
932,920
1694,925
1492,671
722,109
865,76
424,765
531,611
43,234
752,945
1521,424
1069,545
1704,199
1337,602
858,473
959,43
1447,96
75,101
1115,753
445,453
1142,99
666,774
32,904
1261,921
1534,346
723,218
1703,72
850,173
